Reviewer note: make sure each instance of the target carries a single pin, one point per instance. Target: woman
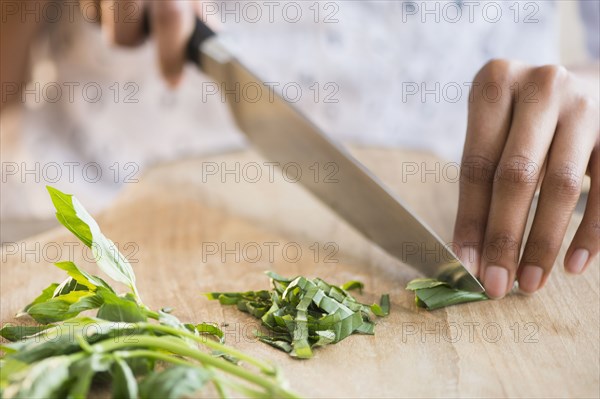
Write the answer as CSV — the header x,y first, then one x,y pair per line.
x,y
399,70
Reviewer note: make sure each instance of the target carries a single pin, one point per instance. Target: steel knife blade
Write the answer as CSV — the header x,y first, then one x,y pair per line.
x,y
283,135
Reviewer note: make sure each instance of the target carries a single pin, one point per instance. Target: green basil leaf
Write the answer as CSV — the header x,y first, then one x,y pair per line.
x,y
174,383
301,347
12,369
44,379
277,277
116,308
210,329
301,314
83,372
74,217
124,383
434,294
383,309
441,296
63,301
60,338
46,294
353,285
82,277
421,283
67,215
88,302
16,333
276,343
68,286
384,302
170,320
58,308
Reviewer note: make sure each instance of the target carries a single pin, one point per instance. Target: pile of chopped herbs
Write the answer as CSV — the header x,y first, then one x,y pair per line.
x,y
301,314
434,294
141,352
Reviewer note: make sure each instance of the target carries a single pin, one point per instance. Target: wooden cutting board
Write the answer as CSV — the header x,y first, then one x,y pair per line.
x,y
170,223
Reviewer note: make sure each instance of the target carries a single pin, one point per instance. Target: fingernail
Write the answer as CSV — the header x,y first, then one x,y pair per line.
x,y
577,261
495,281
531,278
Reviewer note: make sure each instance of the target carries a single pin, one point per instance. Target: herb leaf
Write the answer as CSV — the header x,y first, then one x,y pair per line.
x,y
353,285
383,309
61,360
434,294
16,333
124,382
84,370
67,215
301,314
117,308
46,294
61,307
174,383
45,379
74,217
79,292
82,277
421,283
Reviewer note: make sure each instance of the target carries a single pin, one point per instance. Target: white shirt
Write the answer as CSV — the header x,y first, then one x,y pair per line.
x,y
389,73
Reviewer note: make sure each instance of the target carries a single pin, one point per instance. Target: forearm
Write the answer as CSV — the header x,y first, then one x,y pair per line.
x,y
17,32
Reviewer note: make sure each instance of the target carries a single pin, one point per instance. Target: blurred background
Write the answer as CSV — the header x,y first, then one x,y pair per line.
x,y
89,117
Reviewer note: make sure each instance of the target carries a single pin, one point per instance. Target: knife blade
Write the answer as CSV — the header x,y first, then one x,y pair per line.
x,y
283,135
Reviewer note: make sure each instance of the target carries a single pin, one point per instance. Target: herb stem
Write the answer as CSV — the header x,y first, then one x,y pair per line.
x,y
265,367
184,350
217,381
150,313
155,355
243,389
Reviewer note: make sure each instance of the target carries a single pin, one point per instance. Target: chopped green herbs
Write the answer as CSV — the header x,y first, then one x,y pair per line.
x,y
161,359
301,314
434,294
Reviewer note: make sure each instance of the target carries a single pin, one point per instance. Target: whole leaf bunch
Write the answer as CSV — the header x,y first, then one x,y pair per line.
x,y
301,314
143,353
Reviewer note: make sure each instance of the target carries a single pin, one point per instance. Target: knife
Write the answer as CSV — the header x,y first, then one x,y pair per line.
x,y
282,134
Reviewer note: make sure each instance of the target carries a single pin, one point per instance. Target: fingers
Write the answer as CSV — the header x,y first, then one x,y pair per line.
x,y
171,21
122,21
586,244
561,187
490,109
172,24
90,9
530,136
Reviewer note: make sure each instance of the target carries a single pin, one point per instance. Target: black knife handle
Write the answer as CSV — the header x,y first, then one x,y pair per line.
x,y
199,35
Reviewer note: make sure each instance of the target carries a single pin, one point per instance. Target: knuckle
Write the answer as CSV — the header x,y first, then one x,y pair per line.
x,y
565,181
550,78
585,105
495,70
477,169
168,14
517,171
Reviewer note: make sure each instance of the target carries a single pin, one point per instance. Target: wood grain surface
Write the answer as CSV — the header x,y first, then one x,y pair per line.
x,y
170,222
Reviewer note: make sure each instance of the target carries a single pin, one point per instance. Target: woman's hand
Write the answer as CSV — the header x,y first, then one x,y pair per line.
x,y
528,125
172,23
